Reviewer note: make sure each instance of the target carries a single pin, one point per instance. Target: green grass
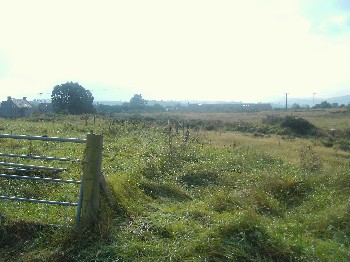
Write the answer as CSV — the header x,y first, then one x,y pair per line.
x,y
218,197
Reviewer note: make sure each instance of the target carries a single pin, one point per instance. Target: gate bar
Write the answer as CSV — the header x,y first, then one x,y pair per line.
x,y
39,201
47,179
33,166
43,138
16,169
40,157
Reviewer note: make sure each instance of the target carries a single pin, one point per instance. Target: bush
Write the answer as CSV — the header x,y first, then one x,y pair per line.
x,y
343,145
272,120
298,125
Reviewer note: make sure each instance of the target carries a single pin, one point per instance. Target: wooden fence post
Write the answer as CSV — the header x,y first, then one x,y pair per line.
x,y
91,179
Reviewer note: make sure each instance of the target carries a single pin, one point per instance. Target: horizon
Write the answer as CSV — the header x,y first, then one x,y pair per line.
x,y
302,101
185,50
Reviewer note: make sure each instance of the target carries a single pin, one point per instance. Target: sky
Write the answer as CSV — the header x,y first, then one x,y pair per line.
x,y
213,50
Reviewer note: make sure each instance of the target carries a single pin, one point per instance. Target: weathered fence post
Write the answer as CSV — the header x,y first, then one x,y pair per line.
x,y
91,179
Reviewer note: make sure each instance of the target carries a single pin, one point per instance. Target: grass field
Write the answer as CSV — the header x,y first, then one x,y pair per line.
x,y
239,188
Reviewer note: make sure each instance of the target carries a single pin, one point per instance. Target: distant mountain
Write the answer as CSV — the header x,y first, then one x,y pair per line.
x,y
280,103
310,101
169,102
340,100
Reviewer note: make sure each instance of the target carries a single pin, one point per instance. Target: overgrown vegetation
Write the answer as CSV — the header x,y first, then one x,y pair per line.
x,y
182,197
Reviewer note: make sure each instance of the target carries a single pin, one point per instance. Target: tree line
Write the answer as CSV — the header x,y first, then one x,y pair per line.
x,y
72,98
322,105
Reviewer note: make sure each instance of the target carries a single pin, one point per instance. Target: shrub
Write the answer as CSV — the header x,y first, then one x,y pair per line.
x,y
272,120
343,145
298,125
347,132
328,142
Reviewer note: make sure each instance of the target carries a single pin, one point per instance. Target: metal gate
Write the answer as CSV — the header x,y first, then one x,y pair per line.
x,y
91,168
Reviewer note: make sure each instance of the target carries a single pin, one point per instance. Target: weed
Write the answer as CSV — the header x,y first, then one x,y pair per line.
x,y
309,160
265,203
242,236
224,201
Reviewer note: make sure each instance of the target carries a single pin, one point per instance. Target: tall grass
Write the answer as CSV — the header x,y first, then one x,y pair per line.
x,y
216,197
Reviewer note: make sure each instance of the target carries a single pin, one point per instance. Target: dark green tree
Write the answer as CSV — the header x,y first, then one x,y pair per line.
x,y
137,102
72,98
324,104
335,105
296,106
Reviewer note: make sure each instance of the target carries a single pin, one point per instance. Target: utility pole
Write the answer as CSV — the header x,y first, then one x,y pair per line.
x,y
40,97
313,99
286,100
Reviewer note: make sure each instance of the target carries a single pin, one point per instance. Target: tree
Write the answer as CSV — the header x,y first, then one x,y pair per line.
x,y
72,98
335,105
296,106
324,104
137,102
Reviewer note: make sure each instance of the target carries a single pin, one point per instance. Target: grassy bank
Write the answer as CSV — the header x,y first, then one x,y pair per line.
x,y
219,196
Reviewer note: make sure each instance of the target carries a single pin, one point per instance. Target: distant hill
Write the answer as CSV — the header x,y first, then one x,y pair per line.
x,y
169,102
281,103
340,100
310,102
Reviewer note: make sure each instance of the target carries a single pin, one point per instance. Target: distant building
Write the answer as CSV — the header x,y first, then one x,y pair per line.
x,y
230,107
15,108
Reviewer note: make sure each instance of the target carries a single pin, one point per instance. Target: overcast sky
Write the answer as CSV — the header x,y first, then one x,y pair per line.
x,y
229,50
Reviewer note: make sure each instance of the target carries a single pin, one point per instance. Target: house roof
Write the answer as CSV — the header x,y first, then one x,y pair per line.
x,y
21,103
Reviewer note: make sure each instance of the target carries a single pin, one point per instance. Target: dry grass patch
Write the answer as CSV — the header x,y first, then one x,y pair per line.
x,y
289,150
273,145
